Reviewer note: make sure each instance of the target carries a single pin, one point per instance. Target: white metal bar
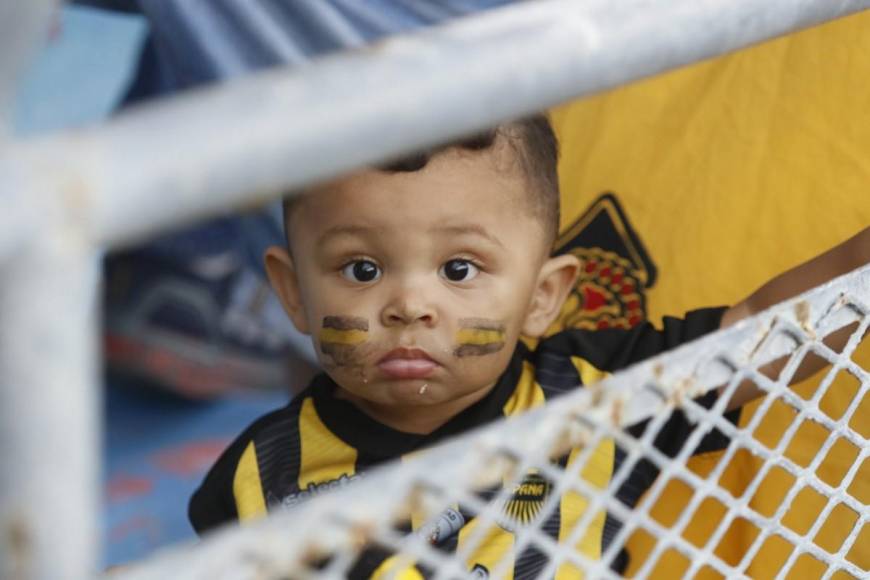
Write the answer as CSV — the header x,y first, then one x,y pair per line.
x,y
245,141
49,412
23,27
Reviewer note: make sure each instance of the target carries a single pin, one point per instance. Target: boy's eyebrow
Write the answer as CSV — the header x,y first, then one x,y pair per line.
x,y
474,229
344,230
456,230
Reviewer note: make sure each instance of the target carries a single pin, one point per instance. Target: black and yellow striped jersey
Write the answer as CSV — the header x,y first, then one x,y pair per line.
x,y
319,442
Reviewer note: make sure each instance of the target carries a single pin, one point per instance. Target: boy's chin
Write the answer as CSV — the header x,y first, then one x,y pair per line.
x,y
412,406
400,393
407,393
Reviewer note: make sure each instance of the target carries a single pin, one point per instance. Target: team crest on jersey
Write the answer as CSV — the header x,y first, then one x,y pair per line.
x,y
526,502
615,270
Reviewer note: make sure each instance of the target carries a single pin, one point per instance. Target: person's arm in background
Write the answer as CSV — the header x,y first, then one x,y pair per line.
x,y
849,255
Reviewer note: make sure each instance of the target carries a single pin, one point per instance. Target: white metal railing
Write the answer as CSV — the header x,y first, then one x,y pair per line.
x,y
62,197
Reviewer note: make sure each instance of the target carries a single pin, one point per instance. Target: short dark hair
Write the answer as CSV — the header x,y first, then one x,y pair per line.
x,y
536,148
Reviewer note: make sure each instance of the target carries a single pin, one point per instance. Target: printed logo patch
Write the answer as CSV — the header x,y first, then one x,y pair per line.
x,y
525,505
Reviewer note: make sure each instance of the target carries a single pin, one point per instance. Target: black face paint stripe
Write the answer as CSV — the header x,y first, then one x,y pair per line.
x,y
481,324
345,323
478,349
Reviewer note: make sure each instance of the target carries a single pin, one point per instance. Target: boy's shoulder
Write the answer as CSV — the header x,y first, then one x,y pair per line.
x,y
313,444
214,502
269,426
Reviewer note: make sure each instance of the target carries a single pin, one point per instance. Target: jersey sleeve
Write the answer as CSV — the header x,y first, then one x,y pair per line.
x,y
213,504
614,349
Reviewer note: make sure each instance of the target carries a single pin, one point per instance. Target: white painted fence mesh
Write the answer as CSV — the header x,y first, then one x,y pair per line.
x,y
325,536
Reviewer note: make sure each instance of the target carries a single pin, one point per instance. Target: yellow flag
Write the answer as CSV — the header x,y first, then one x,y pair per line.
x,y
694,188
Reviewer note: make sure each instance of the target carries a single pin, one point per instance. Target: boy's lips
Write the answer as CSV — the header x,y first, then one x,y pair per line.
x,y
407,363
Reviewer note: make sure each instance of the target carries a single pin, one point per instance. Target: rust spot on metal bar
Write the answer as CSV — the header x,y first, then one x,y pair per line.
x,y
361,534
313,556
576,433
496,467
681,391
416,501
616,412
803,313
763,337
77,193
596,394
19,541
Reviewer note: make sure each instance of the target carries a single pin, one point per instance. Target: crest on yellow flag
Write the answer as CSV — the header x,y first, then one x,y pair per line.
x,y
615,269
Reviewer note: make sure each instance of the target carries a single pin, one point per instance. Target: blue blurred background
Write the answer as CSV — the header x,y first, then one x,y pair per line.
x,y
81,72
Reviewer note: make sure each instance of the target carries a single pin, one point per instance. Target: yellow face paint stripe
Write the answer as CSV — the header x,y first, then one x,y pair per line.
x,y
336,336
247,488
479,336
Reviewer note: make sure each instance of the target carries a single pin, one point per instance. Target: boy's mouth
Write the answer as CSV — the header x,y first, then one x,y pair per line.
x,y
407,363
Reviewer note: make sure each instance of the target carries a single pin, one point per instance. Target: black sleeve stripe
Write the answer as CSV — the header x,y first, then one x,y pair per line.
x,y
213,504
555,373
279,455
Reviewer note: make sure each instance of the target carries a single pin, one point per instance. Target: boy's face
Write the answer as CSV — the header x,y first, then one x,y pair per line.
x,y
416,286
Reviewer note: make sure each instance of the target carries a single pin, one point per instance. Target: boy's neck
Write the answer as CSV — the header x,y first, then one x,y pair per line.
x,y
417,419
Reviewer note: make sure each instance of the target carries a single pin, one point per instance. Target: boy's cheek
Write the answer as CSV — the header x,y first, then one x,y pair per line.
x,y
473,372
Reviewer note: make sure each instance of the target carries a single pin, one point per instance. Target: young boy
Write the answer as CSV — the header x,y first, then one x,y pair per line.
x,y
416,282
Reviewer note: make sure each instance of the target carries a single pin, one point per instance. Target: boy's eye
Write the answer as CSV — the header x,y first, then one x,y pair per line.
x,y
361,271
458,270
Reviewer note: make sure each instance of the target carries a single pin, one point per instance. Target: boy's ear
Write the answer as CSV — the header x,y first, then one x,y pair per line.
x,y
555,282
282,276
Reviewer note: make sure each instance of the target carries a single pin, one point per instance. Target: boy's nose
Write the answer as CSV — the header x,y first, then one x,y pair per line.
x,y
410,307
